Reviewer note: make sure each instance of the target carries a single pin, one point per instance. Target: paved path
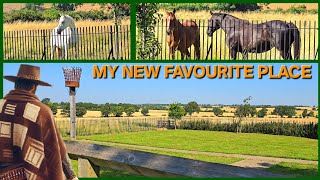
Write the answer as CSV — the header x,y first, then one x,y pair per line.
x,y
249,160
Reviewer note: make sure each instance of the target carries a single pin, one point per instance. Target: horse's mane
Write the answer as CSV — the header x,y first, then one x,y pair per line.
x,y
68,16
224,15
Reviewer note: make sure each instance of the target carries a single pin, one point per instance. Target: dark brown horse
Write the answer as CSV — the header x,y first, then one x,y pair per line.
x,y
245,37
181,36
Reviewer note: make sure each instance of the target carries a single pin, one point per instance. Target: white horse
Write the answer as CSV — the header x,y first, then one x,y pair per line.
x,y
64,37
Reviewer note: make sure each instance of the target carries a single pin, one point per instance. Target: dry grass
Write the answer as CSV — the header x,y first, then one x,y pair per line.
x,y
286,6
252,16
37,25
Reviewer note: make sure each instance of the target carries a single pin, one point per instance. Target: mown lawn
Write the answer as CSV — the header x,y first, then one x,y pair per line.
x,y
296,169
224,142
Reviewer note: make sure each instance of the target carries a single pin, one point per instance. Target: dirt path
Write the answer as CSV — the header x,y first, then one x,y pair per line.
x,y
249,160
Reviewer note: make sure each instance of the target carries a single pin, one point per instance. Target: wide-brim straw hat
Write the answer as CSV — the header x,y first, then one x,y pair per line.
x,y
28,72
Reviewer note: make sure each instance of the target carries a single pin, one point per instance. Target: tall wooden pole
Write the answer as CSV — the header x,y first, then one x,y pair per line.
x,y
73,116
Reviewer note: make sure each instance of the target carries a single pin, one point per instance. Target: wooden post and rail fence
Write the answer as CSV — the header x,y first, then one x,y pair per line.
x,y
91,158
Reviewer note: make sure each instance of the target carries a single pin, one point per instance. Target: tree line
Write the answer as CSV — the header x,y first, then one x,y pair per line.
x,y
231,7
176,110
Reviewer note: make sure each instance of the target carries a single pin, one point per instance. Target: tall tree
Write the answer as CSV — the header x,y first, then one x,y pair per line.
x,y
106,110
148,45
130,111
304,113
284,111
66,6
217,111
144,111
262,112
34,6
192,107
176,112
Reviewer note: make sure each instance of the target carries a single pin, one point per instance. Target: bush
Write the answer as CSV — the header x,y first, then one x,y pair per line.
x,y
276,128
313,11
297,10
51,14
54,14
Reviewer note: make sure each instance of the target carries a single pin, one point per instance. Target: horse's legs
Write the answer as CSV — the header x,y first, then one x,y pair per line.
x,y
187,53
182,55
197,49
286,54
66,54
245,54
53,49
60,53
171,52
233,54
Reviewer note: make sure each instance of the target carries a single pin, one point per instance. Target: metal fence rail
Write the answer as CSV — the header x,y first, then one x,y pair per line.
x,y
94,43
215,47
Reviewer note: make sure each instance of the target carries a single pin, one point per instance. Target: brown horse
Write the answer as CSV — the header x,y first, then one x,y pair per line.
x,y
182,36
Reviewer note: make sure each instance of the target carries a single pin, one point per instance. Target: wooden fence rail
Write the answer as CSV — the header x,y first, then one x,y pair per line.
x,y
92,157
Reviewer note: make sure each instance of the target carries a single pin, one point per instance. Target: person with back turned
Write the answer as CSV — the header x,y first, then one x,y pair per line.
x,y
30,144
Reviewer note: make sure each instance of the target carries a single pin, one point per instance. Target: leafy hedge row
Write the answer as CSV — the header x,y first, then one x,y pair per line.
x,y
53,14
309,130
229,7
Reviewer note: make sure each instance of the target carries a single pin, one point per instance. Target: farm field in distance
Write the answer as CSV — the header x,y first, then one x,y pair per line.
x,y
38,25
228,115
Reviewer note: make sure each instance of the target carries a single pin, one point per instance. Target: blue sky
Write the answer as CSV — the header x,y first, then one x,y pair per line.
x,y
161,90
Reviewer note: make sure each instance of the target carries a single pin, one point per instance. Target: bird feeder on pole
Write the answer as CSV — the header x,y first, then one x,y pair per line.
x,y
72,81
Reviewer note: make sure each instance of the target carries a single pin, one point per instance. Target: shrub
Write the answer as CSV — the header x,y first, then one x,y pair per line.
x,y
309,130
297,10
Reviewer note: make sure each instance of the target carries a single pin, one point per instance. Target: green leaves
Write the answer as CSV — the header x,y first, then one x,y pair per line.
x,y
176,111
145,111
192,107
147,43
217,111
285,111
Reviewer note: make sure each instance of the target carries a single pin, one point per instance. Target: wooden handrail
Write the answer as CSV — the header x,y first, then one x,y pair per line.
x,y
153,165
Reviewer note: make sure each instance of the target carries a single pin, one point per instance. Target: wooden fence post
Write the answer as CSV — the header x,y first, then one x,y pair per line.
x,y
72,94
87,169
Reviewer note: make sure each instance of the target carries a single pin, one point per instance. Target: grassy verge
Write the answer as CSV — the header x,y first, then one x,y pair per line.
x,y
106,172
225,142
296,169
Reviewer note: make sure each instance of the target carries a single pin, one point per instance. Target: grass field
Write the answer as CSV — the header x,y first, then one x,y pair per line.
x,y
296,169
252,144
308,24
210,141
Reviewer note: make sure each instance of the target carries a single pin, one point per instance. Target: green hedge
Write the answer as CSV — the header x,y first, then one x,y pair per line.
x,y
309,130
230,7
54,14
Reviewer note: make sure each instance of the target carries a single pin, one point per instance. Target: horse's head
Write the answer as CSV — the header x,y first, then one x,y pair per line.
x,y
171,21
64,22
214,23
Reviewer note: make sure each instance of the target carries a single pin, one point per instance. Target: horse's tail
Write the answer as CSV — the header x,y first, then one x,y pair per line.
x,y
295,34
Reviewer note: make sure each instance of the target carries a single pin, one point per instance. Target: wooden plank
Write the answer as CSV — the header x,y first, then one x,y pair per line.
x,y
155,165
87,168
